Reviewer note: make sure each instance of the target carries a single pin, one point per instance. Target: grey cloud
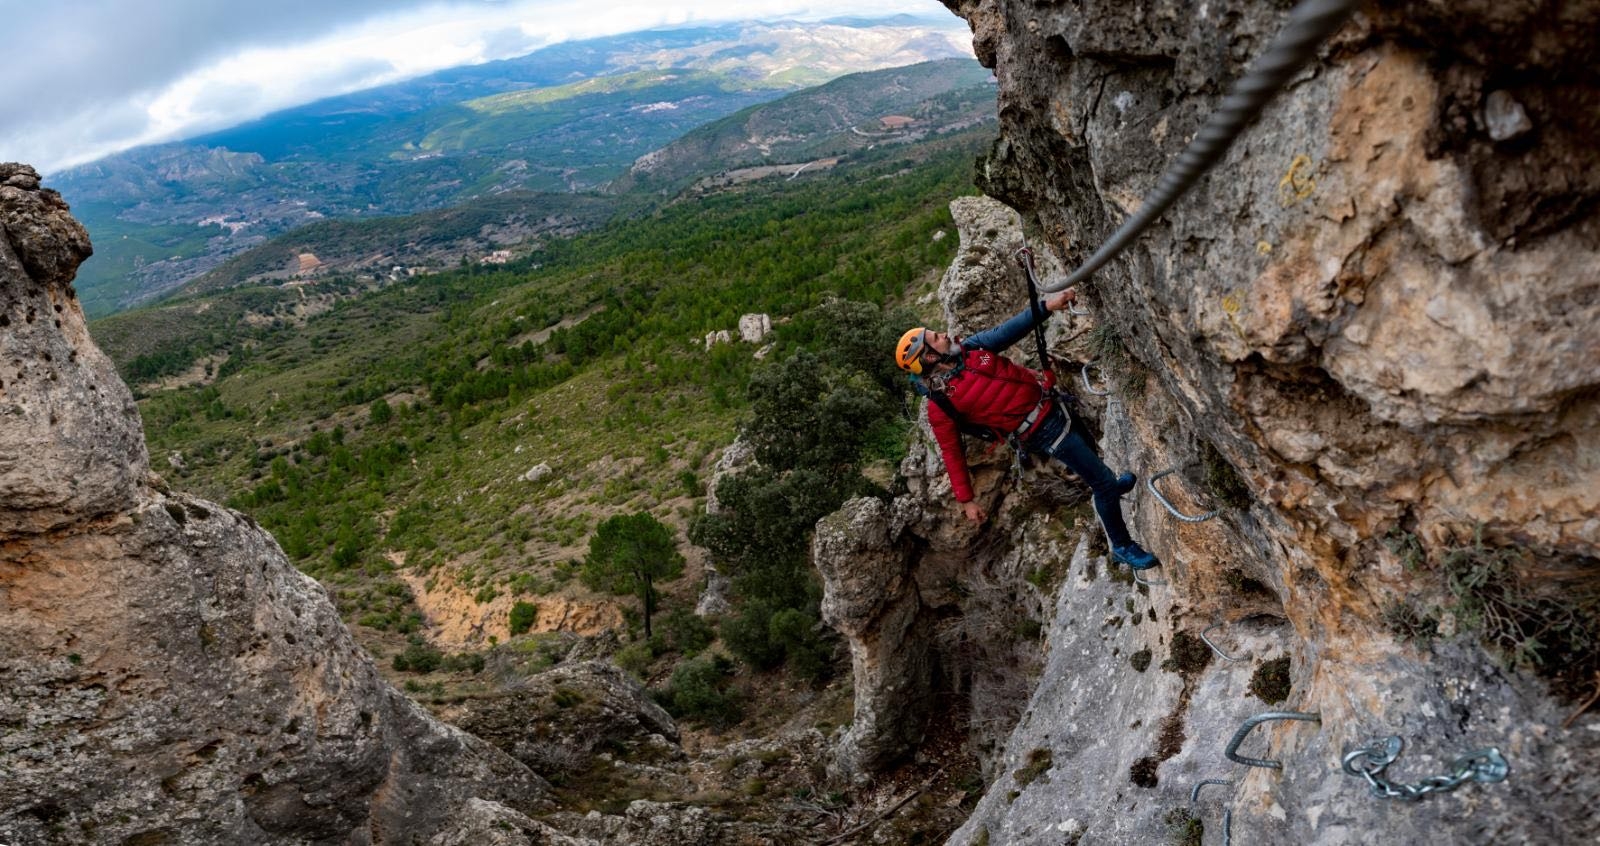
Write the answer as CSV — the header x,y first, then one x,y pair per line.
x,y
63,58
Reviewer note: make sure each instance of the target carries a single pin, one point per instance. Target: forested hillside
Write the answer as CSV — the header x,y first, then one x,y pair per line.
x,y
390,431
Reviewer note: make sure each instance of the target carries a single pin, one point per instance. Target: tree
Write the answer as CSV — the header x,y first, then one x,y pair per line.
x,y
628,554
523,615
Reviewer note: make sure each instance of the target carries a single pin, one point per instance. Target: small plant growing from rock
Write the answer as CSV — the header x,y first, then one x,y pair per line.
x,y
1221,480
1143,772
1404,621
1190,655
1270,683
1039,762
1140,660
1186,828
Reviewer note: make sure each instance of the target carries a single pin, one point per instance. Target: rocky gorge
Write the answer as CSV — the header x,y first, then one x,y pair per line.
x,y
1365,342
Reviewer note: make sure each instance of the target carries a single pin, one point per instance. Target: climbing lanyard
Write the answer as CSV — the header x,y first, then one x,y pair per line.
x,y
1025,257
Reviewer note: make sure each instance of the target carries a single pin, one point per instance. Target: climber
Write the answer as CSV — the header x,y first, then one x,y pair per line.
x,y
970,385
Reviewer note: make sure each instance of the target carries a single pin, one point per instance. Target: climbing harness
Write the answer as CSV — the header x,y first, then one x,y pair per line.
x,y
1232,752
1308,24
1171,509
1214,648
1481,765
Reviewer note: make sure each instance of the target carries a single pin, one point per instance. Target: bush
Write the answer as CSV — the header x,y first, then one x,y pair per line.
x,y
523,616
748,635
635,658
468,662
796,633
686,632
418,657
699,690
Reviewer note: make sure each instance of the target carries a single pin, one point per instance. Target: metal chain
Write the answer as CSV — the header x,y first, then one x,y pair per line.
x,y
1481,765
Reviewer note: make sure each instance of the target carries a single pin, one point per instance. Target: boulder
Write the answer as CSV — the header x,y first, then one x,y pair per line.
x,y
537,472
754,328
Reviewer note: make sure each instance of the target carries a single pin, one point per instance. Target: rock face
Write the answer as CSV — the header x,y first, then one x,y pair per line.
x,y
1371,328
166,676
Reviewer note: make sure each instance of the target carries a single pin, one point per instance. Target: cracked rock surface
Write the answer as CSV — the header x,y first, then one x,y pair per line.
x,y
166,676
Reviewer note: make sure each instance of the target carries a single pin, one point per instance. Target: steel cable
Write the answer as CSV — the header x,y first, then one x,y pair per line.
x,y
1309,24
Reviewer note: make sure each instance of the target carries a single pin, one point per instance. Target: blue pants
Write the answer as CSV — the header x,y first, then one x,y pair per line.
x,y
1078,453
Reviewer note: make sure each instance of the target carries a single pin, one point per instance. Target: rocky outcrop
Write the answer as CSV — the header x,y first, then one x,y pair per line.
x,y
1371,330
558,720
166,676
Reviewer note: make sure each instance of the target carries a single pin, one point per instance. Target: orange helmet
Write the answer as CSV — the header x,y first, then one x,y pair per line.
x,y
908,351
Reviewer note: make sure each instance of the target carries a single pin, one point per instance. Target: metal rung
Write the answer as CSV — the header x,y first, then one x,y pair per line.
x,y
1194,795
1214,648
1088,387
1232,752
1172,509
1146,582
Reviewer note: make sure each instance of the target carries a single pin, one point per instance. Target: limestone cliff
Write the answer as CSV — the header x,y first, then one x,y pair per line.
x,y
1367,338
166,676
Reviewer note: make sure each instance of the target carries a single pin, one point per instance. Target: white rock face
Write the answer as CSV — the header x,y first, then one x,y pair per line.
x,y
754,328
713,600
718,336
738,456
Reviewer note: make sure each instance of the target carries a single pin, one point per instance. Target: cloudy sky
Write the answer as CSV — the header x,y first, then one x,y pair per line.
x,y
80,79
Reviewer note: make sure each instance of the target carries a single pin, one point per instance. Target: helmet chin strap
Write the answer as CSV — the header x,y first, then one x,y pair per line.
x,y
953,357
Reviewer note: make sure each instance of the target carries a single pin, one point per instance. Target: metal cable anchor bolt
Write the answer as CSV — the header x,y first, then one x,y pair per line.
x,y
1232,752
1172,509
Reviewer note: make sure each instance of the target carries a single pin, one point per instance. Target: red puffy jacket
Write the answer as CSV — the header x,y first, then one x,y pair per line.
x,y
989,390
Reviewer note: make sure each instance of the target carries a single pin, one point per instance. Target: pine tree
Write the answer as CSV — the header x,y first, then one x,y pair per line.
x,y
628,554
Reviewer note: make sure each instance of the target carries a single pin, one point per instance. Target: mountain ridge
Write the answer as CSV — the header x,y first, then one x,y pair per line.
x,y
163,214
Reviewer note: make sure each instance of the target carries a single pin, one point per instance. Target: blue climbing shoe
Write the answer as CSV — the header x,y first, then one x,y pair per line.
x,y
1134,556
1125,483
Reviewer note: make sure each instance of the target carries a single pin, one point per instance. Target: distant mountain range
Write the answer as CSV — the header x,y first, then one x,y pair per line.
x,y
800,135
569,118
